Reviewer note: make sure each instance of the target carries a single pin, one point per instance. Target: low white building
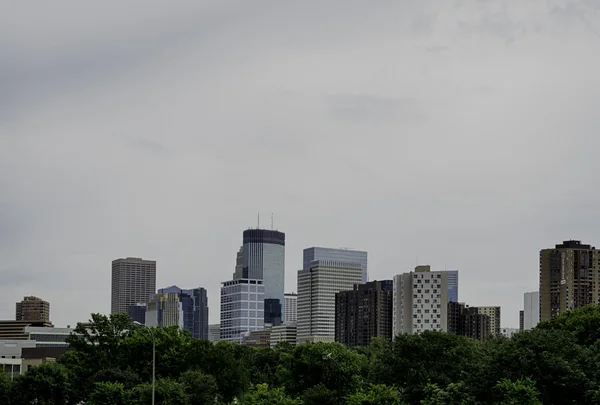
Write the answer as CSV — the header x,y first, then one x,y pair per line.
x,y
284,333
11,360
508,332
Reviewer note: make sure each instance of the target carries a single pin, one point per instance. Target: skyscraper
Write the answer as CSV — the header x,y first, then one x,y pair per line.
x,y
452,285
317,286
194,304
493,314
336,255
32,309
568,278
531,310
467,321
263,258
165,309
364,313
133,282
420,301
290,308
242,308
137,313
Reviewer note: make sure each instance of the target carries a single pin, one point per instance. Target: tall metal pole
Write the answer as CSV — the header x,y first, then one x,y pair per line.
x,y
153,365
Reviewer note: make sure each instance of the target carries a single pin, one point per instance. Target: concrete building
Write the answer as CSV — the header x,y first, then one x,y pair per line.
x,y
133,282
15,330
284,333
317,287
263,258
33,309
165,310
194,304
568,278
531,310
242,308
467,321
257,338
214,332
420,301
290,308
11,361
494,314
509,332
48,337
452,285
364,313
521,320
343,255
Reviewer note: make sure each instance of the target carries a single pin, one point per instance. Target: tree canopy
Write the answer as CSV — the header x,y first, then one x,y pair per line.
x,y
110,363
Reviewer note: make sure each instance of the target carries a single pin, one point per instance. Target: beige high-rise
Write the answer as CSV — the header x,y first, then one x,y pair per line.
x,y
33,309
133,282
568,278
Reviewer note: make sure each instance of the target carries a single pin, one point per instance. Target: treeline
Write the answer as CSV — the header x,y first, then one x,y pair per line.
x,y
110,363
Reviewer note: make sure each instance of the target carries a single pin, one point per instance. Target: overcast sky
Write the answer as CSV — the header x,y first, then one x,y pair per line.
x,y
456,133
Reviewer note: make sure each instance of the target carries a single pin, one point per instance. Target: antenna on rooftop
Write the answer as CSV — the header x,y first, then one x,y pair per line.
x,y
258,221
271,221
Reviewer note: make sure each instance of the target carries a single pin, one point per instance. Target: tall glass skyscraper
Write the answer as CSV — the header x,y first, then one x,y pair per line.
x,y
336,255
452,285
264,259
194,304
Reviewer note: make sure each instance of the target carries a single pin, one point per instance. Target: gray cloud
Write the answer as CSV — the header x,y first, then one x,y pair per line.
x,y
462,133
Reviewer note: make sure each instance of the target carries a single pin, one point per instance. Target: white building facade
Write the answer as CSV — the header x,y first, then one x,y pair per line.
x,y
290,308
242,308
284,333
317,287
531,310
420,300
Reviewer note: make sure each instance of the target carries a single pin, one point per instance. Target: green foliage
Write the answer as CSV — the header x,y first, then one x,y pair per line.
x,y
108,393
320,395
583,323
47,384
200,388
453,394
376,395
261,394
4,388
520,392
167,391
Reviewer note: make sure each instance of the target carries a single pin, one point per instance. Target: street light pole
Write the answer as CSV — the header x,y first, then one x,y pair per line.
x,y
153,357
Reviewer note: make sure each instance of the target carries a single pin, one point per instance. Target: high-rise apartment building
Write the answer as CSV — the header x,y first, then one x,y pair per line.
x,y
569,278
263,258
467,321
343,255
290,308
531,310
33,309
194,303
494,314
420,301
317,287
165,310
242,308
364,313
452,285
133,282
521,320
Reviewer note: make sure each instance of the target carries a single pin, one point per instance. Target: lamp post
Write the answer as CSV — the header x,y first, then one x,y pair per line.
x,y
153,356
329,356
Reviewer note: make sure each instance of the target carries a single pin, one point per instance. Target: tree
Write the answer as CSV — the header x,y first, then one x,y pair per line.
x,y
167,391
109,393
261,394
582,322
520,392
200,388
453,394
46,384
4,388
376,395
319,395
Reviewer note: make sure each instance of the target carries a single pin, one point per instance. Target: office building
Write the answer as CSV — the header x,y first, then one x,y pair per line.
x,y
137,313
568,278
48,337
452,285
343,255
214,332
317,287
364,313
133,282
290,308
531,310
15,330
521,320
494,314
242,308
194,304
272,312
257,338
420,301
33,309
263,258
165,310
467,321
284,333
11,361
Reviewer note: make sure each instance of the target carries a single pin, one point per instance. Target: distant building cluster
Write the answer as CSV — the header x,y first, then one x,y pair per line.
x,y
335,301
